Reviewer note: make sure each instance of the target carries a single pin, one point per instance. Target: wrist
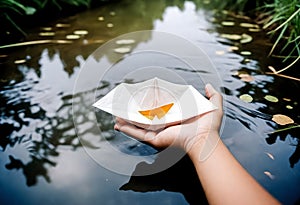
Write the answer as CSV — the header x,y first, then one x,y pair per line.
x,y
202,147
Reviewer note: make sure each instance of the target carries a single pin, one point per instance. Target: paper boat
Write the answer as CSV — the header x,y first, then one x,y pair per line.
x,y
154,102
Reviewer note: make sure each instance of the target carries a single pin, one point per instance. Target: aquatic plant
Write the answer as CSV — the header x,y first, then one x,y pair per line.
x,y
283,23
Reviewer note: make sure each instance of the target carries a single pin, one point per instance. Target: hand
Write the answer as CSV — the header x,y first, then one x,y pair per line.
x,y
187,135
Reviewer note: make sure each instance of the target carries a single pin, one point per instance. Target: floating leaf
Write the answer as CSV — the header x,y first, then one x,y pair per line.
x,y
269,155
246,98
122,50
112,13
249,25
80,32
62,25
233,48
20,61
46,28
72,37
254,30
246,77
271,98
282,119
109,25
47,34
227,23
289,107
234,37
246,53
246,38
100,18
125,41
287,99
271,176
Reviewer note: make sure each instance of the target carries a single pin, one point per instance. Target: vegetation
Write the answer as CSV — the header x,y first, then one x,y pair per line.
x,y
16,15
280,18
285,15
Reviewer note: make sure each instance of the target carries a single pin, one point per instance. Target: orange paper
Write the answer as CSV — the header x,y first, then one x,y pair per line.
x,y
159,111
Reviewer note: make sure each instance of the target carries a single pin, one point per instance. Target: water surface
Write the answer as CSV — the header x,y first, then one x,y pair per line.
x,y
42,159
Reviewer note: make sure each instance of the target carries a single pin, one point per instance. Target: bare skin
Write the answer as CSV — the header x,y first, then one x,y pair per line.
x,y
223,179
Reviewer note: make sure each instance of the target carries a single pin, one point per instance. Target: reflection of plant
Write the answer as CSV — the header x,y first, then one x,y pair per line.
x,y
13,12
283,134
47,133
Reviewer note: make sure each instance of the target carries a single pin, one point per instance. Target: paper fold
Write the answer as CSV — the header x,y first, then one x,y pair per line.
x,y
128,100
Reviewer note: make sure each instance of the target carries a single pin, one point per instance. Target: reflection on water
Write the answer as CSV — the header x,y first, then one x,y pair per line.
x,y
39,142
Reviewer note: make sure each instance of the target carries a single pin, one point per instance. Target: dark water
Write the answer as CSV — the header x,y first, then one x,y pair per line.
x,y
43,160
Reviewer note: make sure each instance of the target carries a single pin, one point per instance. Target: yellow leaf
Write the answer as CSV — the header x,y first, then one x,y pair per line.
x,y
246,98
159,111
282,119
271,98
227,23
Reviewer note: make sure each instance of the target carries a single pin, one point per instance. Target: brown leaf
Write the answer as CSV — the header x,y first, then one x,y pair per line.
x,y
282,119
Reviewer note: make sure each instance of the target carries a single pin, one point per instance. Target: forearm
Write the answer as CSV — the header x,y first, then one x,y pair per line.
x,y
224,180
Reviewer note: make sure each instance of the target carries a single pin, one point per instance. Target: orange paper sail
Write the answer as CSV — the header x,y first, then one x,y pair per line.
x,y
159,111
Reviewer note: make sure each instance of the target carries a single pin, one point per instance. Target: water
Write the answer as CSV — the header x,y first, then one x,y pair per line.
x,y
42,159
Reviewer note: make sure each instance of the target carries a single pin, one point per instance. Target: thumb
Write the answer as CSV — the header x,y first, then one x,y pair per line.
x,y
214,96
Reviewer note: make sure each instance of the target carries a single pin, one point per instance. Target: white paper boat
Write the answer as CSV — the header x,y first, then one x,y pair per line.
x,y
154,102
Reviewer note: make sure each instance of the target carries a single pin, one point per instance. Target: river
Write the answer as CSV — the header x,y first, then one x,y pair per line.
x,y
57,149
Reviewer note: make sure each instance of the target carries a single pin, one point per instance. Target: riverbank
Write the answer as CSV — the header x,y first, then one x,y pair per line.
x,y
18,17
279,19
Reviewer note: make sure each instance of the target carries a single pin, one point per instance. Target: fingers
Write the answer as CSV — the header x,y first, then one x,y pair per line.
x,y
214,96
133,131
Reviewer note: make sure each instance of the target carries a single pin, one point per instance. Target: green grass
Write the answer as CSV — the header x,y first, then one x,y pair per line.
x,y
281,21
284,26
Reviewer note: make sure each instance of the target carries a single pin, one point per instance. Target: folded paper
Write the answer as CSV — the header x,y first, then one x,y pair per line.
x,y
154,102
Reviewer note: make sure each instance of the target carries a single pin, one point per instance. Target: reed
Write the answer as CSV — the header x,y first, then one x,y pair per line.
x,y
284,27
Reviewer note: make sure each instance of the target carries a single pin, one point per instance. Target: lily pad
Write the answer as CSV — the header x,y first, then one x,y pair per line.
x,y
227,23
125,41
81,32
249,25
46,28
20,61
62,25
246,98
122,50
271,98
234,37
254,29
47,33
72,37
100,18
233,48
246,53
110,25
282,119
246,38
